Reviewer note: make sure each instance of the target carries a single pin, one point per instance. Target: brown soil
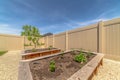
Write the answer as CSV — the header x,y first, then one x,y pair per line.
x,y
65,67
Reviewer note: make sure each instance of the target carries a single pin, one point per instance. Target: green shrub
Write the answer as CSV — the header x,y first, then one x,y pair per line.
x,y
80,58
32,34
52,66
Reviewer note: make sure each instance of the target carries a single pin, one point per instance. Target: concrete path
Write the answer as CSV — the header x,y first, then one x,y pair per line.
x,y
9,65
109,71
9,68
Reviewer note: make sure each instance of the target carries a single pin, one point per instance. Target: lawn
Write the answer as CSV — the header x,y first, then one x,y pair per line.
x,y
3,52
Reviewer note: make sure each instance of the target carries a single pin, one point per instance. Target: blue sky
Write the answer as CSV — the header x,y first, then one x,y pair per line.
x,y
54,15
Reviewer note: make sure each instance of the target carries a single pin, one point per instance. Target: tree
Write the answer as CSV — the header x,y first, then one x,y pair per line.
x,y
32,33
47,34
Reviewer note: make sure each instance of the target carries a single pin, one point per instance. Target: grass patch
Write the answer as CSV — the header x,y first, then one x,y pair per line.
x,y
3,52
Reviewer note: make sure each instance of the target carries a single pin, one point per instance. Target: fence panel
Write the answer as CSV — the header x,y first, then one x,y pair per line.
x,y
85,38
50,41
60,41
112,39
11,42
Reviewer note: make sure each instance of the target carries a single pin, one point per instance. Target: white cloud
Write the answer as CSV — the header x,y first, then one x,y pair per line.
x,y
25,4
8,29
109,14
91,21
68,26
74,24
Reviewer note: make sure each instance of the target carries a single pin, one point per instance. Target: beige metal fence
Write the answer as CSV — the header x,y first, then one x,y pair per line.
x,y
103,36
11,42
111,39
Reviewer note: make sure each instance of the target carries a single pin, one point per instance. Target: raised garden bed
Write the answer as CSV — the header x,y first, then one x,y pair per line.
x,y
66,67
29,54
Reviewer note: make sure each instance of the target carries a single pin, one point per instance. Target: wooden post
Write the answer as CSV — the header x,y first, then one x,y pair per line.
x,y
66,40
101,36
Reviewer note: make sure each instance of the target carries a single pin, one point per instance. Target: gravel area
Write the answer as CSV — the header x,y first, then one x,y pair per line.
x,y
9,65
109,71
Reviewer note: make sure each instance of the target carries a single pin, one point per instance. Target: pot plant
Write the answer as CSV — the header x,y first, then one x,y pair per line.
x,y
33,35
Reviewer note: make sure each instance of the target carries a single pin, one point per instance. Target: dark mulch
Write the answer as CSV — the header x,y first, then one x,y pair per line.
x,y
65,67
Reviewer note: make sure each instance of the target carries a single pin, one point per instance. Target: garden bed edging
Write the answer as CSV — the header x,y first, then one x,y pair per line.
x,y
85,73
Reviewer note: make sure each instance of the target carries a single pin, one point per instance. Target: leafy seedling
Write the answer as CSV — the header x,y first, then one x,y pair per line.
x,y
89,54
80,58
50,47
62,53
73,51
52,66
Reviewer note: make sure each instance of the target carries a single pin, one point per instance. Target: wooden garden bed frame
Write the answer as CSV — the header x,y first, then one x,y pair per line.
x,y
85,73
32,55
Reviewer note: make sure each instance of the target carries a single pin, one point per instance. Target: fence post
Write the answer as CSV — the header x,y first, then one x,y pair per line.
x,y
101,38
23,42
47,42
66,36
53,41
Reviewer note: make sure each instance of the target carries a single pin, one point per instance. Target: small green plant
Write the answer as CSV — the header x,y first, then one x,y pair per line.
x,y
80,58
52,66
89,54
42,44
28,44
34,50
62,53
73,51
3,52
81,50
50,47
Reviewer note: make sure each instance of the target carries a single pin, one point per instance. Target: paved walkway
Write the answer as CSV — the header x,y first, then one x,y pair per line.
x,y
109,71
9,68
9,65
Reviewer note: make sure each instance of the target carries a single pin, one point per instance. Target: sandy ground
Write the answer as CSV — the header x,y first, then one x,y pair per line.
x,y
109,71
9,65
9,68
